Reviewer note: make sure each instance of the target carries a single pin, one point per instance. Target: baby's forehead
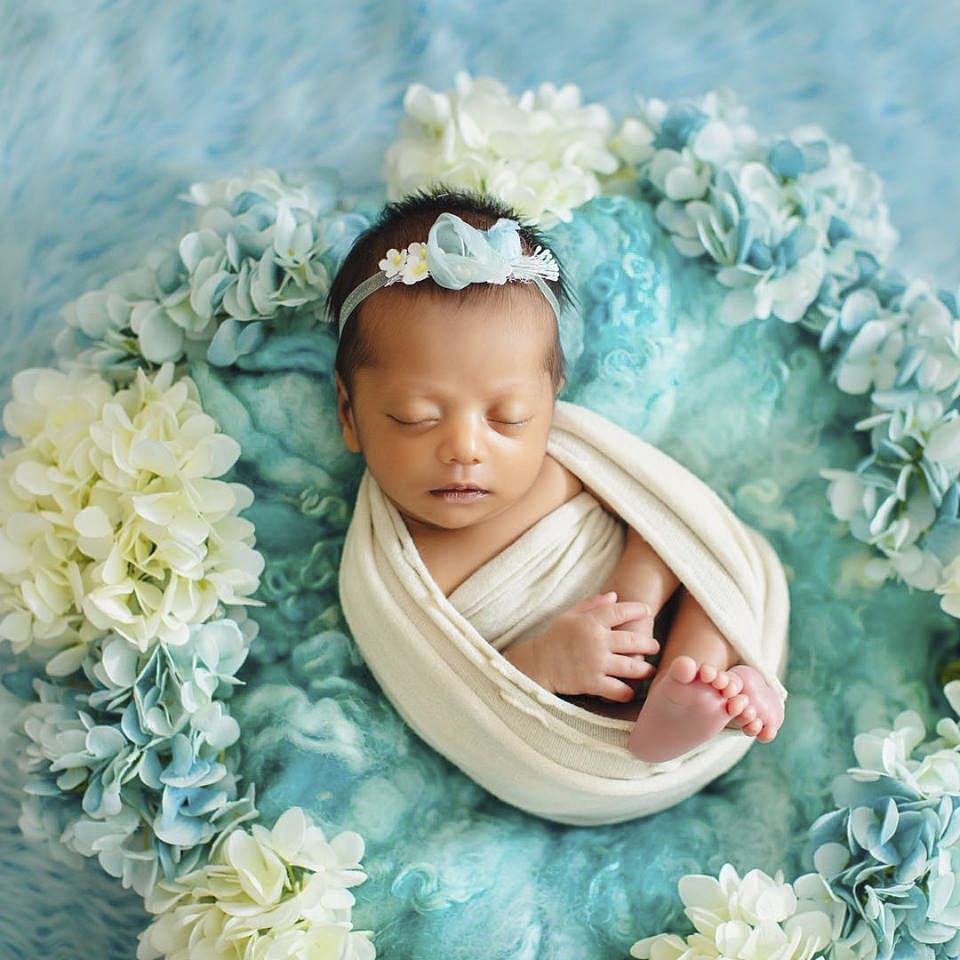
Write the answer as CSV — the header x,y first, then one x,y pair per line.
x,y
415,345
397,383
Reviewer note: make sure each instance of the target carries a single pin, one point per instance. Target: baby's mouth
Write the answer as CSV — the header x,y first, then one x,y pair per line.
x,y
469,492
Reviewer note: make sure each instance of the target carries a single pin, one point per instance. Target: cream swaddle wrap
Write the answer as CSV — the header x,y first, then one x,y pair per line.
x,y
457,691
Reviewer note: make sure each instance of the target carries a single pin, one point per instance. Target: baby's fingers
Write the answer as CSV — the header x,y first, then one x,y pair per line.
x,y
614,614
628,641
595,600
615,690
630,668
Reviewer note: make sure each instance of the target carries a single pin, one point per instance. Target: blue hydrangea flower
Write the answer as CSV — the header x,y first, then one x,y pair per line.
x,y
892,855
780,221
261,257
134,760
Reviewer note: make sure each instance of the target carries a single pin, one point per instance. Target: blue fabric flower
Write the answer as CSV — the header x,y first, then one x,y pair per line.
x,y
459,254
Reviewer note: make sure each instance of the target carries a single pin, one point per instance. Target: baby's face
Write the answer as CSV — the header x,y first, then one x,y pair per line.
x,y
459,395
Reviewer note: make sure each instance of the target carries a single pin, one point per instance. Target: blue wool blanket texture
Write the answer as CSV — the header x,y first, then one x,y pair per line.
x,y
112,109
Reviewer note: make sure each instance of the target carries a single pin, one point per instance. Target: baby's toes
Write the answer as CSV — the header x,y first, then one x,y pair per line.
x,y
717,678
729,684
745,716
767,734
771,726
736,705
708,673
753,728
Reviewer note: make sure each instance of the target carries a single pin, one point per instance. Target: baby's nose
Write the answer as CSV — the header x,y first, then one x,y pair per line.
x,y
463,440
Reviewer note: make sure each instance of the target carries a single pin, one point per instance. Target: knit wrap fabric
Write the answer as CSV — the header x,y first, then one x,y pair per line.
x,y
457,691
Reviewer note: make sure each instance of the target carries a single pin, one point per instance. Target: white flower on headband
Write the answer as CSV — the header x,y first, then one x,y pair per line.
x,y
393,262
415,266
408,264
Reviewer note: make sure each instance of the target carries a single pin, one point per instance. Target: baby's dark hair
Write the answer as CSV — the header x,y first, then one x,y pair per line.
x,y
408,220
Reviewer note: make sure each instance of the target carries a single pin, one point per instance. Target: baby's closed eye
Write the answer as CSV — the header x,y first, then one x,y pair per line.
x,y
416,423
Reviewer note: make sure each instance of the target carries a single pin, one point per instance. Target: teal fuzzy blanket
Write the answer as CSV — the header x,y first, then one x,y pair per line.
x,y
113,116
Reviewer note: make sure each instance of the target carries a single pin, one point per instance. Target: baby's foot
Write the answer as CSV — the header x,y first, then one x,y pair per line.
x,y
687,705
760,710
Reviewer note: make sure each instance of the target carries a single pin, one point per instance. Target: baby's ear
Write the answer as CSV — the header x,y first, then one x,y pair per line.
x,y
345,416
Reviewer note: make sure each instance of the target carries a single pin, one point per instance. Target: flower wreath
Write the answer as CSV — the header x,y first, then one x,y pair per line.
x,y
126,568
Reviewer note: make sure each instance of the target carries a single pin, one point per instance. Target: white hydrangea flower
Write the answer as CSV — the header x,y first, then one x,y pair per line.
x,y
916,567
541,152
948,727
759,295
264,182
943,443
938,773
724,137
110,518
858,503
949,588
883,751
275,894
757,917
952,692
849,190
634,140
870,362
163,321
934,771
933,348
680,176
850,497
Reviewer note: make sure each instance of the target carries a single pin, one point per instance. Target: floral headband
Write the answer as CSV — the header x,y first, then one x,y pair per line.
x,y
456,254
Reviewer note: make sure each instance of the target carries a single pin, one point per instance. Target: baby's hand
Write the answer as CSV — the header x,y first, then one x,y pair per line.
x,y
581,652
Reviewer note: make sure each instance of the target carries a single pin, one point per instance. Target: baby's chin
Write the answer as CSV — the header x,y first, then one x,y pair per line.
x,y
448,515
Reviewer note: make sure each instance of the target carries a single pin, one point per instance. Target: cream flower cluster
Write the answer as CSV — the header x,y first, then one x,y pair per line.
x,y
541,153
267,895
932,771
757,917
410,263
110,518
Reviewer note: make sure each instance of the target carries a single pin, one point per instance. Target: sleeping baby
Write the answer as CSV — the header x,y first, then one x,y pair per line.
x,y
446,384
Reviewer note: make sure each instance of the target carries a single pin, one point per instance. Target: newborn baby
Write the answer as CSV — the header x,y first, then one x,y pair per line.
x,y
449,396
